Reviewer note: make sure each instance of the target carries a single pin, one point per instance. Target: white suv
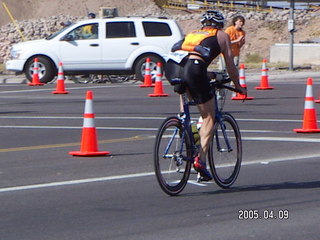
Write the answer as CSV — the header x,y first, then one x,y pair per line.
x,y
117,45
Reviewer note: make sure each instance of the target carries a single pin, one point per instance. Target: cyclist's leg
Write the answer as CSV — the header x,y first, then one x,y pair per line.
x,y
200,91
207,112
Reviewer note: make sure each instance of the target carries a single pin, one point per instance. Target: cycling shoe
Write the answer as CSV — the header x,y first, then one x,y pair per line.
x,y
201,167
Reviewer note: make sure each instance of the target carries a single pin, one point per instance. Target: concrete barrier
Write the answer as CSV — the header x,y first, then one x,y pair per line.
x,y
303,53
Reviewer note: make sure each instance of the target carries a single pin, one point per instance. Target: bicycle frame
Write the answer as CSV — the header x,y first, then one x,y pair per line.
x,y
186,122
218,117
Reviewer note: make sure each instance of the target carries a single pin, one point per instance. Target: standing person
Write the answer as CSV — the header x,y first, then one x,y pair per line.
x,y
91,16
197,50
237,37
88,30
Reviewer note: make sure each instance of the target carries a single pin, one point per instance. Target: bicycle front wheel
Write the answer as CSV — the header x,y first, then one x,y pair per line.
x,y
225,151
172,148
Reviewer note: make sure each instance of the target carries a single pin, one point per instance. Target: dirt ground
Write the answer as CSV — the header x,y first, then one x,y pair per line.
x,y
260,34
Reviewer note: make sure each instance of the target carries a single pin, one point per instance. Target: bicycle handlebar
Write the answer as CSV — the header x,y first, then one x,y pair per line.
x,y
218,81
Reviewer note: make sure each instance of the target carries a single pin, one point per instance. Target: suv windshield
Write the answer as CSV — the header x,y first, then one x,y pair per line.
x,y
53,35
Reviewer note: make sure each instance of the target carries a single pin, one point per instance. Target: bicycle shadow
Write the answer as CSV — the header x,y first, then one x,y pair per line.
x,y
263,187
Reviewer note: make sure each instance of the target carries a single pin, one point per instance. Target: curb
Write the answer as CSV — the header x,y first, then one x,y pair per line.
x,y
251,76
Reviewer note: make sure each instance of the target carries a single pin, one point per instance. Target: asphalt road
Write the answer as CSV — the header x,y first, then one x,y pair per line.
x,y
45,193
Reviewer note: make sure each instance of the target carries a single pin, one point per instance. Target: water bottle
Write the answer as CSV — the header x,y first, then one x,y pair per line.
x,y
195,133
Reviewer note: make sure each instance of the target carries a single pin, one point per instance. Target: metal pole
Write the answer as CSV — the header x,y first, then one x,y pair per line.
x,y
291,18
13,21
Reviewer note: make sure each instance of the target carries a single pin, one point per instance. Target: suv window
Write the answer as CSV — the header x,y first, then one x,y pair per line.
x,y
88,31
154,29
120,30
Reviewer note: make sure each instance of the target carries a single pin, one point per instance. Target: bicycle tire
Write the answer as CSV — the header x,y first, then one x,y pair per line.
x,y
225,163
171,171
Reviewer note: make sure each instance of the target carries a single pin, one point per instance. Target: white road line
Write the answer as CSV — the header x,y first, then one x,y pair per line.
x,y
71,127
135,175
69,88
123,128
138,118
139,129
74,182
281,139
80,117
266,120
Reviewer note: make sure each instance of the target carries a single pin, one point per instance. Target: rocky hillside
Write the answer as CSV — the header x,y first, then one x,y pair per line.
x,y
37,20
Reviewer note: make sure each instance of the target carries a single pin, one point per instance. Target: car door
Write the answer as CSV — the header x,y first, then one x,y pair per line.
x,y
81,48
119,42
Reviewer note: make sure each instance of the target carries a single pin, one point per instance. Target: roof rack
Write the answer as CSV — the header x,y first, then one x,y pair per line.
x,y
108,12
148,16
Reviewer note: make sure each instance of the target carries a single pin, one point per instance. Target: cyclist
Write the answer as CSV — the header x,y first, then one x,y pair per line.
x,y
189,61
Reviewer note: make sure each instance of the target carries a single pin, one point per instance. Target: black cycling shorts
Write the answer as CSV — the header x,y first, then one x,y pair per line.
x,y
195,75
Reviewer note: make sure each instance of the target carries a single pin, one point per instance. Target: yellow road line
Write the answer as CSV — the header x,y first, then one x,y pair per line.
x,y
62,145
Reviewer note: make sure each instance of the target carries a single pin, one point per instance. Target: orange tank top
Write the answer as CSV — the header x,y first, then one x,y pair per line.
x,y
195,38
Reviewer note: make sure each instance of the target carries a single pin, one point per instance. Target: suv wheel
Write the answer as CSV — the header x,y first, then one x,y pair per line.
x,y
141,65
47,71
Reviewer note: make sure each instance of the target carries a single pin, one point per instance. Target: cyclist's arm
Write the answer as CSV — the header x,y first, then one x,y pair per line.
x,y
225,46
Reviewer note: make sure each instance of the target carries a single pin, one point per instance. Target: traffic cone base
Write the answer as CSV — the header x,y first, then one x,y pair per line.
x,y
89,154
147,82
145,86
158,91
89,145
241,97
36,84
264,88
158,95
306,130
60,88
59,92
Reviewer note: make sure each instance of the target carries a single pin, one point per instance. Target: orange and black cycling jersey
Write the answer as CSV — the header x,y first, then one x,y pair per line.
x,y
203,41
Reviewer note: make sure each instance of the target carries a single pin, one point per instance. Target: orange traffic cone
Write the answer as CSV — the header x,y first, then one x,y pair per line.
x,y
158,89
35,75
264,84
242,80
147,75
89,144
60,89
310,115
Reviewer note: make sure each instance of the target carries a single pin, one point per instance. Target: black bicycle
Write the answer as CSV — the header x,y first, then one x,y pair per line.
x,y
176,147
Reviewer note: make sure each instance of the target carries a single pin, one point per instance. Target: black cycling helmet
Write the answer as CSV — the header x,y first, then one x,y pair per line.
x,y
212,18
91,15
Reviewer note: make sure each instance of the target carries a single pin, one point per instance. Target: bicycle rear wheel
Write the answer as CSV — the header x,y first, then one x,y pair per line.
x,y
225,151
172,147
